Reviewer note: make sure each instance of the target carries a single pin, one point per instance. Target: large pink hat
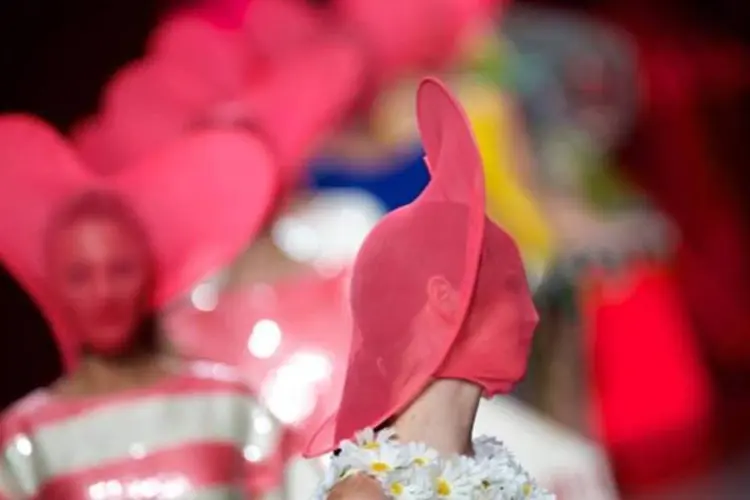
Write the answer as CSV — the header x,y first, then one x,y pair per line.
x,y
198,76
269,29
225,14
276,28
414,35
200,200
439,234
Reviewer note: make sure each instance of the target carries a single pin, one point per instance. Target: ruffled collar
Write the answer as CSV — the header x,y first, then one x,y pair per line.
x,y
414,471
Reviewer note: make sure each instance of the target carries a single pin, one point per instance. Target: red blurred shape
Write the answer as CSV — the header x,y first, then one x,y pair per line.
x,y
651,397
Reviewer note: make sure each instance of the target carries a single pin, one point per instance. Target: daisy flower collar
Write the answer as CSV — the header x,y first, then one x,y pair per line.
x,y
414,471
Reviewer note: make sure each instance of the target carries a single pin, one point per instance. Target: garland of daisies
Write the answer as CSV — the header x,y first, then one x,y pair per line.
x,y
414,471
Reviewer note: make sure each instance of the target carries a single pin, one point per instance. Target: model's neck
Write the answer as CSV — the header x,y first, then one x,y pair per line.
x,y
97,375
442,417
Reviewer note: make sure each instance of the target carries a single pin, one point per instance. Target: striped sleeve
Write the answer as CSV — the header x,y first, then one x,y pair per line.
x,y
264,436
263,451
5,477
5,490
9,489
17,475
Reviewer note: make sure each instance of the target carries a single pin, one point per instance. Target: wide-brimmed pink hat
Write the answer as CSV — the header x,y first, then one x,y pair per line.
x,y
200,200
440,234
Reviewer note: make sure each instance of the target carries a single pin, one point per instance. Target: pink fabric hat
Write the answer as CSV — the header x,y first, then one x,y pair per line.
x,y
388,367
200,200
438,290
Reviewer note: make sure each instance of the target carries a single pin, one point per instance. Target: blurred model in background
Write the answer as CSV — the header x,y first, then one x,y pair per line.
x,y
100,255
636,287
301,238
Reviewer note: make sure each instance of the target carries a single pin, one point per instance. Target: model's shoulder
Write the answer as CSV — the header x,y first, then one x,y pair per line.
x,y
26,406
357,487
16,419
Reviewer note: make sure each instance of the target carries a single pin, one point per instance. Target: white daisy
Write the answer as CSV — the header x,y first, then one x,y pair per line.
x,y
489,447
472,467
454,481
420,454
410,484
414,471
541,494
369,439
332,475
376,462
365,440
520,485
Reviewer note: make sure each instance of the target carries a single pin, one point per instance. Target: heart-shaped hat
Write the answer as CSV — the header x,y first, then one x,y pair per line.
x,y
200,201
441,233
149,106
195,76
276,28
411,36
226,14
189,67
206,54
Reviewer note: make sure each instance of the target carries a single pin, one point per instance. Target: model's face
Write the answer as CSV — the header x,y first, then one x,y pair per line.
x,y
506,328
100,275
494,345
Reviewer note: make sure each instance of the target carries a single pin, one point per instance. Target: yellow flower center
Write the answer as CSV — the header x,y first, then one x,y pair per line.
x,y
380,467
372,445
443,487
397,489
420,461
526,489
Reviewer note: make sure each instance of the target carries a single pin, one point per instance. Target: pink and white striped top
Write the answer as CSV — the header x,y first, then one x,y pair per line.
x,y
197,435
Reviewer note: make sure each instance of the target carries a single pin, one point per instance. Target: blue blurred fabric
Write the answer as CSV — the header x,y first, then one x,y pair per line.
x,y
395,180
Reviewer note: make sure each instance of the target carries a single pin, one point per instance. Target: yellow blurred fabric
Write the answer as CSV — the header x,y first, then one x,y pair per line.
x,y
509,202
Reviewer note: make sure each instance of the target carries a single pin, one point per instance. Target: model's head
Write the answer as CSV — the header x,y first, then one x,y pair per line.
x,y
438,291
493,346
419,279
101,273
